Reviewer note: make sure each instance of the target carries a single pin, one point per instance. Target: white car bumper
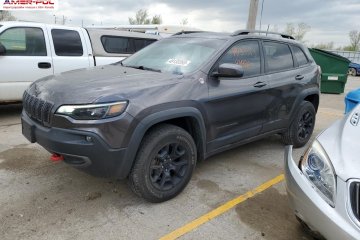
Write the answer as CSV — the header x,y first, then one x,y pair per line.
x,y
308,205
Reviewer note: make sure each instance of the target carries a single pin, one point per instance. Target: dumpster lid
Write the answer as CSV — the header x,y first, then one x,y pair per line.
x,y
354,95
330,53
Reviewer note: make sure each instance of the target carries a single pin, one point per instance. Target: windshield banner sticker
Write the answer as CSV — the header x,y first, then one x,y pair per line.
x,y
178,62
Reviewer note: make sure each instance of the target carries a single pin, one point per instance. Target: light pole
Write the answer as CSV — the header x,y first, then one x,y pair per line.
x,y
252,14
261,13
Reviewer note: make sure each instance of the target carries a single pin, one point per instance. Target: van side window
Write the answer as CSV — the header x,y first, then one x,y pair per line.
x,y
299,56
23,41
124,45
67,43
246,54
277,57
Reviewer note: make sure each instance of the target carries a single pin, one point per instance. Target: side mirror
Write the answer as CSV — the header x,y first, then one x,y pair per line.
x,y
2,50
229,70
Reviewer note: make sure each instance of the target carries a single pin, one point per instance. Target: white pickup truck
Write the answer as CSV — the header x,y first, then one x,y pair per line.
x,y
29,51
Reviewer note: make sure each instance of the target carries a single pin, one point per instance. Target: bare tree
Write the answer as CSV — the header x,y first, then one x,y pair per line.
x,y
324,46
298,32
6,16
354,40
142,17
156,19
184,21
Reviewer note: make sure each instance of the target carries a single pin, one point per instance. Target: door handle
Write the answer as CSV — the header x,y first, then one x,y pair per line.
x,y
299,77
259,84
44,65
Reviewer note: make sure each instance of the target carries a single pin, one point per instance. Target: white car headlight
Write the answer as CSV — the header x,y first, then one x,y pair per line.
x,y
93,111
318,169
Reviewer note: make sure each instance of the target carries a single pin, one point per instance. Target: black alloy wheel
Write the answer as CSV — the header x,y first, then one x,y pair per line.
x,y
302,126
164,163
306,125
169,166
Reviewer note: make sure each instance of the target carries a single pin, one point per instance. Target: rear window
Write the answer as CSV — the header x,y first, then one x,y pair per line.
x,y
67,43
277,57
299,56
124,45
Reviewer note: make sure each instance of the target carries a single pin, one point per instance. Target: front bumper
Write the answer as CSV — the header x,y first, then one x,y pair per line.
x,y
308,205
84,150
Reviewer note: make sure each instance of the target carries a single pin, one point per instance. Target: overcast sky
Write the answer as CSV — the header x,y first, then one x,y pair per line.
x,y
330,20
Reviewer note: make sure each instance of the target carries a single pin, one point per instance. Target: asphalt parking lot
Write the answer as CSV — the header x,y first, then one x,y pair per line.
x,y
40,199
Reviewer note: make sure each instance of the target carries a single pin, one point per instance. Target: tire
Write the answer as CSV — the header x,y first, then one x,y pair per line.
x,y
352,71
164,163
302,127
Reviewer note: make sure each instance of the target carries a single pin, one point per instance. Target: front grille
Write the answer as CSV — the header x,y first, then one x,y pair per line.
x,y
355,199
37,108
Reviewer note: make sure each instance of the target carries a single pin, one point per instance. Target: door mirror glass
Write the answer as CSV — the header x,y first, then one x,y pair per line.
x,y
229,70
2,50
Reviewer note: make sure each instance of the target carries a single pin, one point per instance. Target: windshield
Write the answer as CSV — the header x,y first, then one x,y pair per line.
x,y
174,55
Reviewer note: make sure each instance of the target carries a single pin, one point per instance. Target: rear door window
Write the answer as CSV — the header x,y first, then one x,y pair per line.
x,y
67,42
300,57
247,55
24,41
124,45
277,57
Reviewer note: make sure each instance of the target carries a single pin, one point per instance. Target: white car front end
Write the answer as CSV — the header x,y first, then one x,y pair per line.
x,y
324,186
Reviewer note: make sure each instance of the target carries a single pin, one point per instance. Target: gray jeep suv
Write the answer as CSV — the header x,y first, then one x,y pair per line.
x,y
151,117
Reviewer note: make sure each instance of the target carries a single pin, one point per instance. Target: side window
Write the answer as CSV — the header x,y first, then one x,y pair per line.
x,y
299,56
141,43
67,43
277,57
124,45
25,41
114,44
246,54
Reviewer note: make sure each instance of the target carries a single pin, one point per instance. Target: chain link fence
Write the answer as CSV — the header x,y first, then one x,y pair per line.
x,y
352,56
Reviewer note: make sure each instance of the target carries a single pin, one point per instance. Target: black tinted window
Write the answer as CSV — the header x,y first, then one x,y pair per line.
x,y
67,42
277,56
141,43
246,54
123,45
23,41
299,56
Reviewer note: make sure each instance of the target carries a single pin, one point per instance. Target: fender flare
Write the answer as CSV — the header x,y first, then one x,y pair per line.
x,y
146,123
300,98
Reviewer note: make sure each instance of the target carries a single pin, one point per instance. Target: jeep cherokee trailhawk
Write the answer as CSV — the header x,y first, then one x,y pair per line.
x,y
152,116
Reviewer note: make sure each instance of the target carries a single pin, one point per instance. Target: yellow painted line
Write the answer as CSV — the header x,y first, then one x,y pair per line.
x,y
222,209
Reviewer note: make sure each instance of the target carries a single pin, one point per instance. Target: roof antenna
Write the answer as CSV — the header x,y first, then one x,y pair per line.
x,y
267,30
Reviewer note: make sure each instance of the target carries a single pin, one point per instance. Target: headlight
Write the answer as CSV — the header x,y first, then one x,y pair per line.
x,y
318,169
93,111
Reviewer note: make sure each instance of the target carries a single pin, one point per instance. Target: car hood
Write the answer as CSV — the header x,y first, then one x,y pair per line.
x,y
341,142
100,84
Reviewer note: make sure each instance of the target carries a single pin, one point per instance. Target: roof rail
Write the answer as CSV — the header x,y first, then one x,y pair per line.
x,y
246,32
187,32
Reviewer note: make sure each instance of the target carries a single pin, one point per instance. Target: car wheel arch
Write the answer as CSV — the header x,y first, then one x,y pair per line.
x,y
311,95
173,116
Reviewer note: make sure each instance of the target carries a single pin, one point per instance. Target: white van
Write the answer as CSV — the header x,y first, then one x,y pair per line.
x,y
29,51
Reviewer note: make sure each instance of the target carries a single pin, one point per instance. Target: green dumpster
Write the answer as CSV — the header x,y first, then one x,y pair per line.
x,y
334,70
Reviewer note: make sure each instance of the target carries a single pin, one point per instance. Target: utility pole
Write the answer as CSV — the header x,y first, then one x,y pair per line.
x,y
252,14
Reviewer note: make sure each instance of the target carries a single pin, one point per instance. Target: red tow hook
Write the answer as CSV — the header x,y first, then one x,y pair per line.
x,y
56,157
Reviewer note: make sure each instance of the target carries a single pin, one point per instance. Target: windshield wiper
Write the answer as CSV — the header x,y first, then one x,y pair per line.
x,y
143,68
